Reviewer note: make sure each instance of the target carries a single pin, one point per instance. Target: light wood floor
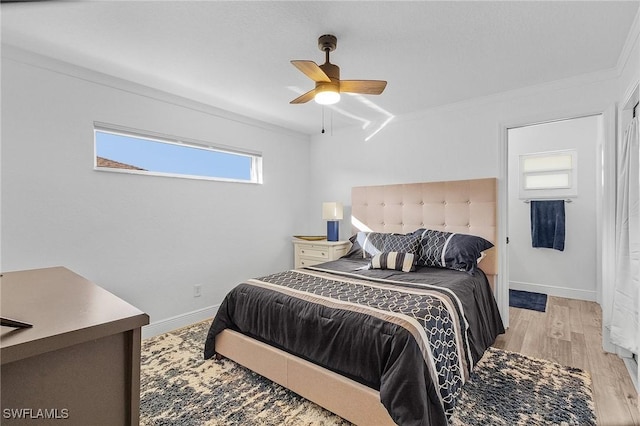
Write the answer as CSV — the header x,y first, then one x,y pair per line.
x,y
570,333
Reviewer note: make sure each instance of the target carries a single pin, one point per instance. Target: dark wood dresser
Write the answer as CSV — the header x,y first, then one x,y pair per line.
x,y
80,362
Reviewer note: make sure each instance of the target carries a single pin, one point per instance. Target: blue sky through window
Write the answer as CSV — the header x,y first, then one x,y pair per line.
x,y
162,157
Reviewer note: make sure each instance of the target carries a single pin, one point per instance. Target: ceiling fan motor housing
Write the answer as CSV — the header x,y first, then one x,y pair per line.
x,y
327,42
332,71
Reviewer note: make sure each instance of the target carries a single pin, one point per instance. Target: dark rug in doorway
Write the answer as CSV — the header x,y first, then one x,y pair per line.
x,y
506,388
528,300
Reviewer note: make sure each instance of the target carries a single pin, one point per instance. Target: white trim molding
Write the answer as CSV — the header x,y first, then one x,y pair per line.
x,y
37,60
502,286
521,92
179,321
554,290
631,95
632,36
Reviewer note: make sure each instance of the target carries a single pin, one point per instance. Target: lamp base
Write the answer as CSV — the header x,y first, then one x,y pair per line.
x,y
332,230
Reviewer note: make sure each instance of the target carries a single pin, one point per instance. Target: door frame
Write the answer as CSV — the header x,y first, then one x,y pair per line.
x,y
605,195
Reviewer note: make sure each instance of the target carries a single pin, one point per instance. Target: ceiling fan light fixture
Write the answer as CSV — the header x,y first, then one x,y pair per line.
x,y
327,93
328,97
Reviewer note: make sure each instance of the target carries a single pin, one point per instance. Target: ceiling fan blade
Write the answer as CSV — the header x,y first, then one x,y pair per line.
x,y
311,70
366,87
304,98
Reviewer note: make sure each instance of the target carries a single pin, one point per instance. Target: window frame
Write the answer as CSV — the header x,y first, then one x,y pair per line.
x,y
255,156
550,192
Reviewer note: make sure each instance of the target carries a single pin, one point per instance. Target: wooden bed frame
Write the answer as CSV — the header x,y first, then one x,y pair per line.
x,y
466,206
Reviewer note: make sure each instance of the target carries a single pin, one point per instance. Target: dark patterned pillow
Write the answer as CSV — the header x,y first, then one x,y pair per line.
x,y
450,250
366,244
401,243
432,244
394,260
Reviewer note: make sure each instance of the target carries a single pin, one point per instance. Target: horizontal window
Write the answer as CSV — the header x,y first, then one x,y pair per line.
x,y
128,151
545,163
548,175
547,181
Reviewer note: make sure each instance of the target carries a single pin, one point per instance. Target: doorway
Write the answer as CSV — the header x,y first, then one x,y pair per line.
x,y
574,272
570,272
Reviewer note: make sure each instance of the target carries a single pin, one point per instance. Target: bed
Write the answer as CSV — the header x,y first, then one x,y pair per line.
x,y
362,336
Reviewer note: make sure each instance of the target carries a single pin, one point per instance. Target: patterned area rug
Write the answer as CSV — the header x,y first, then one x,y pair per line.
x,y
506,388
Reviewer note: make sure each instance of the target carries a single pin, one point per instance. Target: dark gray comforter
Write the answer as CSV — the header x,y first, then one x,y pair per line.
x,y
413,336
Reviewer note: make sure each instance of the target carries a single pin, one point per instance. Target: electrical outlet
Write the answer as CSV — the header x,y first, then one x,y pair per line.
x,y
197,290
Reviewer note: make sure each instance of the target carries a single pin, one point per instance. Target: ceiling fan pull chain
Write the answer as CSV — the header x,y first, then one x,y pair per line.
x,y
331,122
322,119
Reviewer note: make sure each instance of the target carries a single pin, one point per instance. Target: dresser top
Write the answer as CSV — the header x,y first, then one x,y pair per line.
x,y
64,308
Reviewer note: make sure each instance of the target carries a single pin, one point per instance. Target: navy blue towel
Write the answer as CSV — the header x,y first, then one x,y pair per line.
x,y
547,224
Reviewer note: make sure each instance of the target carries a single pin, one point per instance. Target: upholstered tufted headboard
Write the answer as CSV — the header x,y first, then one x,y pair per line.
x,y
463,206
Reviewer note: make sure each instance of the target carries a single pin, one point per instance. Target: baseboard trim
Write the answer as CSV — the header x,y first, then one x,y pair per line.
x,y
570,293
179,321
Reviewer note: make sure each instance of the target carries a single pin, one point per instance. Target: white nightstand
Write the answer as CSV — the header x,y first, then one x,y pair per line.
x,y
309,253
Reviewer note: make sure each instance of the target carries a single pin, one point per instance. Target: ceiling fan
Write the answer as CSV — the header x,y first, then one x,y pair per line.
x,y
327,78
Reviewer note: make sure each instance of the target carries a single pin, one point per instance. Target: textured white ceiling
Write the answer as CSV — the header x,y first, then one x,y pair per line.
x,y
235,55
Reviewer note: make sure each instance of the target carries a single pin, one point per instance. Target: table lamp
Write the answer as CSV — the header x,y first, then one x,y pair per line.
x,y
332,213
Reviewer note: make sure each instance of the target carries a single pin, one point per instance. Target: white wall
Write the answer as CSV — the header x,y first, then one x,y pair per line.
x,y
146,239
572,272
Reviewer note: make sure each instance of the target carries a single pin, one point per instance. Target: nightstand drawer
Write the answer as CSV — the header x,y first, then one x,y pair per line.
x,y
309,262
320,253
311,253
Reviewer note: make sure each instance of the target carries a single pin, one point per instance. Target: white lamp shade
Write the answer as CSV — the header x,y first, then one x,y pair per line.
x,y
332,211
